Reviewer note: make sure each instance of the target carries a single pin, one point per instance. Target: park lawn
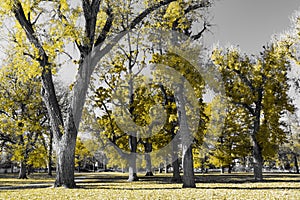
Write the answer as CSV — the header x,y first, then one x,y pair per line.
x,y
115,186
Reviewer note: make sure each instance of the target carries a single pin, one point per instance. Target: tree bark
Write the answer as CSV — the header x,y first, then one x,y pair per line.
x,y
257,149
65,166
175,160
148,165
176,172
148,149
132,159
187,159
188,168
22,172
296,162
49,163
257,160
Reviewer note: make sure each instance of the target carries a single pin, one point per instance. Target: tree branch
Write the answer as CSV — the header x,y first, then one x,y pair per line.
x,y
106,28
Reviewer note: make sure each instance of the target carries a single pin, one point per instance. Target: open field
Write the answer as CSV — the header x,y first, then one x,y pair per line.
x,y
115,186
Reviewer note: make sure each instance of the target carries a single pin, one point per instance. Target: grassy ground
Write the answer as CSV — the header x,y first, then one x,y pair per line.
x,y
114,186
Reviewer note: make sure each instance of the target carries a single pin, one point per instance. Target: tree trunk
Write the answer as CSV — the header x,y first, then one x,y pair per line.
x,y
166,166
176,172
257,160
49,163
65,167
222,169
22,172
132,159
187,159
175,161
148,149
188,168
148,165
296,163
257,149
29,169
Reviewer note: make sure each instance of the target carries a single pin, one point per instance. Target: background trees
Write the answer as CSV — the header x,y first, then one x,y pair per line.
x,y
23,120
48,40
259,86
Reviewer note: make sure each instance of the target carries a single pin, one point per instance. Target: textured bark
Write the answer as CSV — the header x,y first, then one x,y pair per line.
x,y
65,162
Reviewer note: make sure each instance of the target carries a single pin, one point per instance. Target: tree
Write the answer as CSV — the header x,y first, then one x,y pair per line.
x,y
233,141
292,144
259,86
48,40
81,154
23,119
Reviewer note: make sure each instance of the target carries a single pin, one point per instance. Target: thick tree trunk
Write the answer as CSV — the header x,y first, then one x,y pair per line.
x,y
188,168
22,172
175,161
187,154
176,172
65,167
257,160
132,159
148,165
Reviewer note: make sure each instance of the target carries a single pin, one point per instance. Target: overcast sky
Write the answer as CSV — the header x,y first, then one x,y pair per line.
x,y
249,23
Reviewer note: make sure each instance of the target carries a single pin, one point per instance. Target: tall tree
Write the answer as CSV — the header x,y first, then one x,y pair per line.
x,y
258,85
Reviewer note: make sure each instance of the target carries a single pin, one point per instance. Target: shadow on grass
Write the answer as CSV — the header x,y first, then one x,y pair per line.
x,y
197,188
22,187
247,178
206,181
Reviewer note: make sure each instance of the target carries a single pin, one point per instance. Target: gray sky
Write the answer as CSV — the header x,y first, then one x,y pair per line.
x,y
249,23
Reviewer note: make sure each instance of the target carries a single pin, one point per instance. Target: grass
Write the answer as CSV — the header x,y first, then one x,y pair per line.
x,y
114,186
